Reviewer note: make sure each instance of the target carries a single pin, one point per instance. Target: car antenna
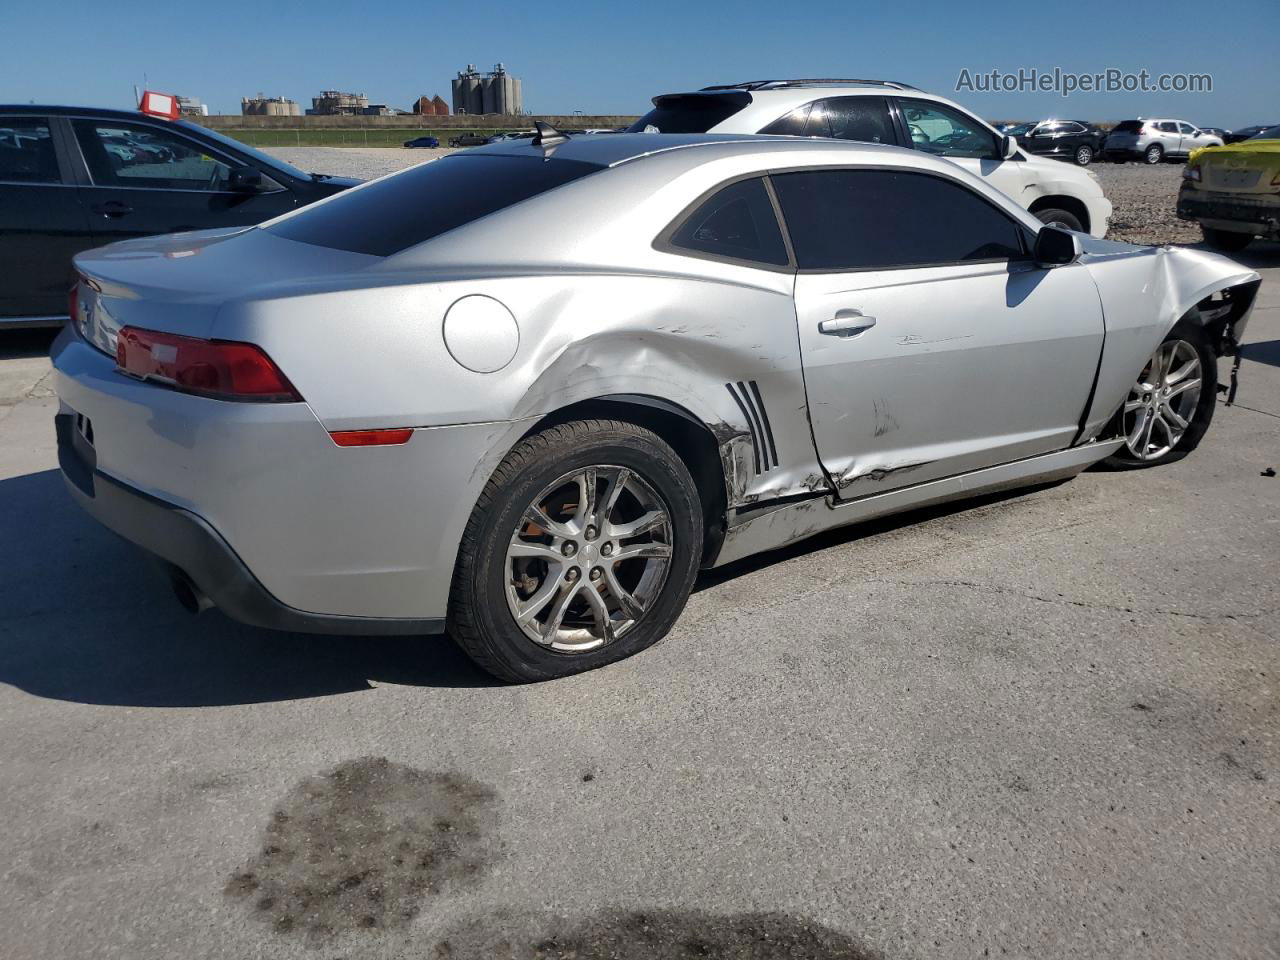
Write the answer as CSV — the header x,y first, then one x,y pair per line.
x,y
547,135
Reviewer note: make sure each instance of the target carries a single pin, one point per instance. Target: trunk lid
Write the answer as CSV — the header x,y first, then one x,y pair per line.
x,y
177,283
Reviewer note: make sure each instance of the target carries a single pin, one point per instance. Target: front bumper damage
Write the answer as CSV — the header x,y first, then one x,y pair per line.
x,y
1259,216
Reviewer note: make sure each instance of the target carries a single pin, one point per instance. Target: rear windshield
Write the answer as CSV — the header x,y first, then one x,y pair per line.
x,y
1128,126
396,213
689,112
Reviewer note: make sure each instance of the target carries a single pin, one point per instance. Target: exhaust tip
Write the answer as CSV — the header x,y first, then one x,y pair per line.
x,y
187,593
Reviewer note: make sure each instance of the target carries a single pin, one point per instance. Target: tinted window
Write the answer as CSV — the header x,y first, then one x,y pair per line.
x,y
133,155
865,119
860,219
26,151
736,222
690,112
1128,126
1186,129
1271,133
397,212
945,132
1167,126
1072,127
792,125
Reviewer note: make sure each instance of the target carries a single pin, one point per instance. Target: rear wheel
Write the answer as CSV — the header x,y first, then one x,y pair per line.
x,y
581,550
1171,405
1154,154
1226,240
1084,155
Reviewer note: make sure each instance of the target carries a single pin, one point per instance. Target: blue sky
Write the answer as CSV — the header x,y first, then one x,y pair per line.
x,y
610,58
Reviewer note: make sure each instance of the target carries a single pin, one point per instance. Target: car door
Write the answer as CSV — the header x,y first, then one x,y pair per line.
x,y
944,131
1191,137
149,178
1170,138
932,345
42,223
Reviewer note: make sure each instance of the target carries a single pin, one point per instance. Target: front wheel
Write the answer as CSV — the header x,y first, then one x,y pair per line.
x,y
1227,241
1084,155
1063,219
1171,405
581,550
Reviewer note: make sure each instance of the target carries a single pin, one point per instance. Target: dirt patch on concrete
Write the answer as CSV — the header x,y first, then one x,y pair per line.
x,y
362,846
650,935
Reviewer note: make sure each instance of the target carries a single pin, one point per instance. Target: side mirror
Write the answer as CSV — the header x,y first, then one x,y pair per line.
x,y
1008,147
1056,247
245,180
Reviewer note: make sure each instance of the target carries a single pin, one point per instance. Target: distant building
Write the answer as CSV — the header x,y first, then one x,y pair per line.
x,y
191,107
496,92
430,107
261,106
335,103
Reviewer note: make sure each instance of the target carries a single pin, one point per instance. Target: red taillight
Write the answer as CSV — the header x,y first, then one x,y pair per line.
x,y
372,438
73,302
224,369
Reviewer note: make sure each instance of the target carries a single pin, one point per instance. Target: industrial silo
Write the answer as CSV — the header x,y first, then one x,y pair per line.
x,y
490,91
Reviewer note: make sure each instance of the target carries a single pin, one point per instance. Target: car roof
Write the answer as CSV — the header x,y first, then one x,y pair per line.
x,y
63,110
617,148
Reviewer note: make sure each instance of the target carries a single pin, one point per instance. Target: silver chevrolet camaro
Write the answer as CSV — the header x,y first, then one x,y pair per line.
x,y
525,392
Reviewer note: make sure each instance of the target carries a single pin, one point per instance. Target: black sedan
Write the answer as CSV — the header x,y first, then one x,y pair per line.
x,y
1244,133
1076,141
72,178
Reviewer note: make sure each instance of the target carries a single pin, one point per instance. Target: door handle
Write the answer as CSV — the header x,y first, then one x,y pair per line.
x,y
113,209
846,323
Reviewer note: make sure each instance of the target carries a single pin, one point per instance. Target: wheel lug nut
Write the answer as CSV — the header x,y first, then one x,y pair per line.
x,y
606,550
591,533
569,548
596,573
573,574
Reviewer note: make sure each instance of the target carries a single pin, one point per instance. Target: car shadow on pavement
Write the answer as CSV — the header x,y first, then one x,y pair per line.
x,y
87,617
34,342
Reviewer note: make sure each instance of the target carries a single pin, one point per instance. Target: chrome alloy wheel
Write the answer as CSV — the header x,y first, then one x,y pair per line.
x,y
1163,402
588,558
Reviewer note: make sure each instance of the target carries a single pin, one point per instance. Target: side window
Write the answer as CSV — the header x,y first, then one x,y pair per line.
x,y
1072,127
1049,129
1185,129
1167,126
792,125
736,222
940,130
26,151
865,119
129,155
881,219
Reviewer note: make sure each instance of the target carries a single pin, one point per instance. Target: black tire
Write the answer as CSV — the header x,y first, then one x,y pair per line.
x,y
1153,154
1084,155
1227,241
1059,217
1190,331
479,618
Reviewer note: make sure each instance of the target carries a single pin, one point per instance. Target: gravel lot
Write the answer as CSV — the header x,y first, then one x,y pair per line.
x,y
1041,725
1143,196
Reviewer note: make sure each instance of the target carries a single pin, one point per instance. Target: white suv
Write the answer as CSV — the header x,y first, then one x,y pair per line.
x,y
883,111
1153,140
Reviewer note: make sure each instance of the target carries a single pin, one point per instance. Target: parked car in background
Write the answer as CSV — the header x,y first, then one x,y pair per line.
x,y
536,436
1246,133
1219,132
469,140
510,135
885,111
429,142
72,178
1076,141
1155,141
1233,191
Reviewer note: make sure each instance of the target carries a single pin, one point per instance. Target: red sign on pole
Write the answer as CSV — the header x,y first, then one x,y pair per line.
x,y
159,104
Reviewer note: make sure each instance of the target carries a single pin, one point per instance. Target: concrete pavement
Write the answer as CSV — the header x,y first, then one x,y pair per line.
x,y
1043,725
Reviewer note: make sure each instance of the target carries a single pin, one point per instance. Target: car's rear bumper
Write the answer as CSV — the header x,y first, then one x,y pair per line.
x,y
332,536
1224,211
195,550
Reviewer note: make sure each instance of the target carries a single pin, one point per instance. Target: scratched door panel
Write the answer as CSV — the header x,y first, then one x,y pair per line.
x,y
966,366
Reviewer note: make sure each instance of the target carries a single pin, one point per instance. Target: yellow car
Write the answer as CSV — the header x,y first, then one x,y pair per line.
x,y
1233,192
